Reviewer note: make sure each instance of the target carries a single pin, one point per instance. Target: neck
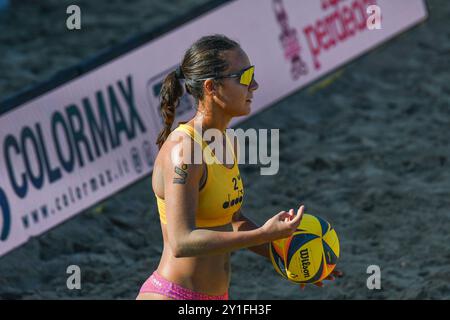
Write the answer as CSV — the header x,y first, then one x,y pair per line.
x,y
210,118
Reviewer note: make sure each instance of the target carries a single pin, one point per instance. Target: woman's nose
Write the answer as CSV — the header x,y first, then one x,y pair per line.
x,y
254,85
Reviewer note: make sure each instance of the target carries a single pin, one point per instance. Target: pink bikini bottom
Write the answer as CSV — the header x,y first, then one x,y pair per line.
x,y
158,284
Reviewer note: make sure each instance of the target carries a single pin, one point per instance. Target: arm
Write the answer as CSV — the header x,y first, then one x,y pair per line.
x,y
242,223
181,184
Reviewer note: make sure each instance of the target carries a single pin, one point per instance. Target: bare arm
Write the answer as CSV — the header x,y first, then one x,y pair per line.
x,y
242,223
181,189
181,185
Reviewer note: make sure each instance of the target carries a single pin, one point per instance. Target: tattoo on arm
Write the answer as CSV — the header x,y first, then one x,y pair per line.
x,y
181,172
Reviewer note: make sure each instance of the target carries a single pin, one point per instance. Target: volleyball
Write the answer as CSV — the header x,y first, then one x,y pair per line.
x,y
310,254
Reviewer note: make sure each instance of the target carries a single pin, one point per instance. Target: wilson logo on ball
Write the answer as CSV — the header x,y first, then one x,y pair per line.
x,y
305,262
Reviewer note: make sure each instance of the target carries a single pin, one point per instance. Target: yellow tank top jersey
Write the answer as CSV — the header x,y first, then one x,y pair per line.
x,y
223,192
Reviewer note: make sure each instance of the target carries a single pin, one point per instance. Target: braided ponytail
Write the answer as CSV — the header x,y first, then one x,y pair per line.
x,y
171,93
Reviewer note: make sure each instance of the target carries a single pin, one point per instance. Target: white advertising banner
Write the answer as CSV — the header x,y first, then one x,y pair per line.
x,y
87,139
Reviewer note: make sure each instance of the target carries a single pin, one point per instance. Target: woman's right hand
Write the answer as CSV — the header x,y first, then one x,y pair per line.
x,y
282,225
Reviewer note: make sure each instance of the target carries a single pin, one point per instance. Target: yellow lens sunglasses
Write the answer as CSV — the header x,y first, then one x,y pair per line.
x,y
245,76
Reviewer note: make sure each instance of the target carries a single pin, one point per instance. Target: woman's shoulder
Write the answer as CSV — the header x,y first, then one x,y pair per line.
x,y
178,151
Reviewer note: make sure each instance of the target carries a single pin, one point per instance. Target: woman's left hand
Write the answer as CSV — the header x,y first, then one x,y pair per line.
x,y
331,277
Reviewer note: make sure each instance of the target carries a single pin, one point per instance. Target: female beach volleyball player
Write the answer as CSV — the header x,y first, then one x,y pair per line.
x,y
199,203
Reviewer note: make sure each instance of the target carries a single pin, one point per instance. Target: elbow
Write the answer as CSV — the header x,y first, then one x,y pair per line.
x,y
182,252
180,255
179,249
178,252
182,244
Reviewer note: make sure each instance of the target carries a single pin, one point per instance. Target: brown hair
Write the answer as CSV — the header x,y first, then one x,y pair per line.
x,y
204,59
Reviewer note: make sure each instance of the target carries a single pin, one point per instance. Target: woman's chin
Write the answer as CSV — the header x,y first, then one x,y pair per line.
x,y
248,108
244,111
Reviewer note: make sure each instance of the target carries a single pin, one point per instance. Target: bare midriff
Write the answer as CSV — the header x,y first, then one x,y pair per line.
x,y
208,274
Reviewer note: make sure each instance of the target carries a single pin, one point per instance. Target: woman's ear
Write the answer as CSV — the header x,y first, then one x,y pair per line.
x,y
209,87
